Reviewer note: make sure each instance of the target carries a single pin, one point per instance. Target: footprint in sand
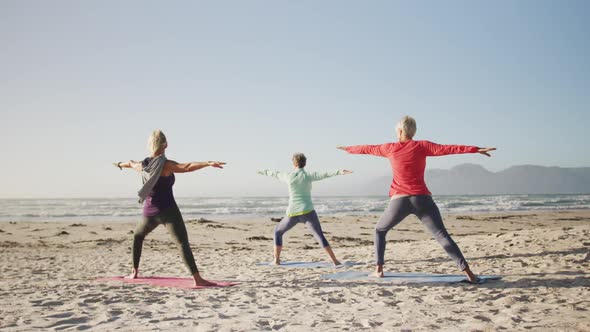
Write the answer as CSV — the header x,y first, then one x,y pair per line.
x,y
482,318
69,322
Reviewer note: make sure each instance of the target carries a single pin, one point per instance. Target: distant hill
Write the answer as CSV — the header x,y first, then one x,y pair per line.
x,y
471,179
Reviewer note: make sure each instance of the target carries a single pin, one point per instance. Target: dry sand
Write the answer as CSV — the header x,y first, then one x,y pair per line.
x,y
46,273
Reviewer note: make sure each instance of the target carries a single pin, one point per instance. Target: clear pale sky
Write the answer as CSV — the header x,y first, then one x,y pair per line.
x,y
83,83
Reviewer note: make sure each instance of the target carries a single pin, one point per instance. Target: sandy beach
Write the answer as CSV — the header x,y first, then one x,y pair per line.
x,y
48,270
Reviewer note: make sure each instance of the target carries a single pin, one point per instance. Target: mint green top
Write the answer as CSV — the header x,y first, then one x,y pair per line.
x,y
299,182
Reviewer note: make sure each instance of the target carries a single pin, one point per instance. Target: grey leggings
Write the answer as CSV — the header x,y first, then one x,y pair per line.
x,y
426,210
172,219
310,219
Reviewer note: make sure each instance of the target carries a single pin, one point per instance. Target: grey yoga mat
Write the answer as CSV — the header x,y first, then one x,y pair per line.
x,y
307,264
390,277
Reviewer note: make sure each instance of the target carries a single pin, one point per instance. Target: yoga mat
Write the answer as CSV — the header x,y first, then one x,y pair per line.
x,y
400,278
308,264
174,282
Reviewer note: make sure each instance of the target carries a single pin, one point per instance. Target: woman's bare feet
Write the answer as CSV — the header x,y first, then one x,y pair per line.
x,y
277,254
133,274
378,272
333,258
472,278
202,282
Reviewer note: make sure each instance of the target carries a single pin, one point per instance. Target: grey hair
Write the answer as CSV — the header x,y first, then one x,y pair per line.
x,y
407,125
299,159
156,141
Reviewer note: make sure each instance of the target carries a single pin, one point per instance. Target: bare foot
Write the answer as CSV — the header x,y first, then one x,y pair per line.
x,y
277,261
202,282
378,272
337,263
471,277
133,274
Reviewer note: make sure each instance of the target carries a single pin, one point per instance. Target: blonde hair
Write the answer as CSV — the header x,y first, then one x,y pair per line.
x,y
408,126
156,141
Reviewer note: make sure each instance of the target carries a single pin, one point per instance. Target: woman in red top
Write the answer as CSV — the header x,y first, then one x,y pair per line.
x,y
408,192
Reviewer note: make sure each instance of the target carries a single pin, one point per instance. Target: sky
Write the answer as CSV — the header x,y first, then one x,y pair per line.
x,y
83,83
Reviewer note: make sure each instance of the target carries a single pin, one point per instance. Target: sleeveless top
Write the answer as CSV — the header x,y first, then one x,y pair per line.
x,y
161,197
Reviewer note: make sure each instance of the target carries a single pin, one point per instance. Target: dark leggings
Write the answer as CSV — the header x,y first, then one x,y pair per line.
x,y
172,219
425,209
310,219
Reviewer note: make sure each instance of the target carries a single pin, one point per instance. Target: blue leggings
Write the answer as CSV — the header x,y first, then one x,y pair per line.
x,y
310,219
425,209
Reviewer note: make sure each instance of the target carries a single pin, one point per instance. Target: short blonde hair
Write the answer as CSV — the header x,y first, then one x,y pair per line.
x,y
299,159
156,141
407,125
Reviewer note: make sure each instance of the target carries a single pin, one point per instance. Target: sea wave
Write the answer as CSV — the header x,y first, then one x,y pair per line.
x,y
232,207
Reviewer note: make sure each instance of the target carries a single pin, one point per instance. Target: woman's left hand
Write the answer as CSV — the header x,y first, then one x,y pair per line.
x,y
345,171
485,151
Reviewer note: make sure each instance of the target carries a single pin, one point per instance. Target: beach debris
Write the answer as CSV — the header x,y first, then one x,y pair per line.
x,y
77,225
201,221
258,238
10,244
571,219
62,233
108,229
1,231
355,240
276,219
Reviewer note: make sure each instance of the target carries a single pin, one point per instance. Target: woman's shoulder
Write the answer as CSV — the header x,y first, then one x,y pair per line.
x,y
146,161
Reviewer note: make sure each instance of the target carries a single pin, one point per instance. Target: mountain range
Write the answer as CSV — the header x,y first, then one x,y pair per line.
x,y
472,179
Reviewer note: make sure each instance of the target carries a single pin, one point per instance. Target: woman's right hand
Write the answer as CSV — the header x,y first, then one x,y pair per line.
x,y
345,171
341,148
485,151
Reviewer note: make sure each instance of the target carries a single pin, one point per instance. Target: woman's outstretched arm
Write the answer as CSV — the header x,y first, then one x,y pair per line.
x,y
136,165
317,176
380,150
275,174
174,167
433,149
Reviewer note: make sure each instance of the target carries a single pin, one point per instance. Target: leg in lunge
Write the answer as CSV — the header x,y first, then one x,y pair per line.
x,y
286,224
429,215
313,224
176,228
397,210
141,231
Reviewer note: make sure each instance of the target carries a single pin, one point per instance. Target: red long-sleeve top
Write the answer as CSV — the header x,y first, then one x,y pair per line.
x,y
408,161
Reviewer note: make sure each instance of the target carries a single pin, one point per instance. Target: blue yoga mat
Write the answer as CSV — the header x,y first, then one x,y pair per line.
x,y
308,264
400,278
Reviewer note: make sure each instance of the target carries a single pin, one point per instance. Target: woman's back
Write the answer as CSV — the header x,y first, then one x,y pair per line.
x,y
161,197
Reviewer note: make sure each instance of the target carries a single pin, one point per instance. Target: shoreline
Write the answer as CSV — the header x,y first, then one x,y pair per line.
x,y
250,217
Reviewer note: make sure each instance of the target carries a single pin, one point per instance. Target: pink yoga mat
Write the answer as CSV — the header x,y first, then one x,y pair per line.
x,y
186,283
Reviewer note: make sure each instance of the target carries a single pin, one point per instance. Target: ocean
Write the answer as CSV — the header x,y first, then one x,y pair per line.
x,y
127,209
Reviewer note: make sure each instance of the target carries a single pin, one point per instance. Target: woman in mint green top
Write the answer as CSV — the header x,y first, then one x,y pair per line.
x,y
300,207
